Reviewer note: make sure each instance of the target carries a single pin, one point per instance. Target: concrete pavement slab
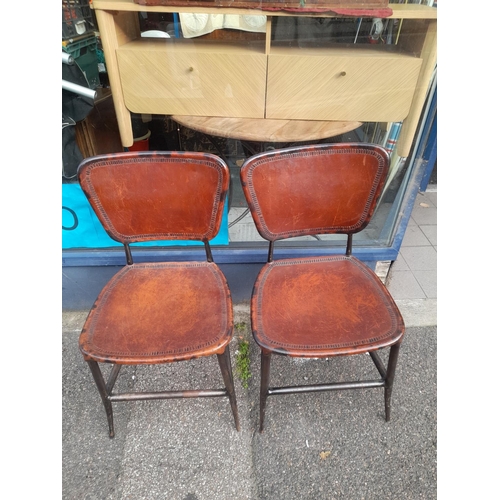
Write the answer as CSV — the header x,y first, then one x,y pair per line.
x,y
333,445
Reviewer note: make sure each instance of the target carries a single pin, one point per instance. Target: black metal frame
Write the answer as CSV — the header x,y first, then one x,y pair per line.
x,y
106,390
387,374
387,382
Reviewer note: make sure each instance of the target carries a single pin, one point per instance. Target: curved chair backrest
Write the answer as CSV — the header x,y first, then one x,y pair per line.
x,y
146,196
318,189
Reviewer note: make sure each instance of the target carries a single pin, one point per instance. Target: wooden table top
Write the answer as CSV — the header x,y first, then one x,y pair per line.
x,y
264,130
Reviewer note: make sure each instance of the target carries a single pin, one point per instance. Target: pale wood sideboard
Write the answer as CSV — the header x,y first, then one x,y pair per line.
x,y
266,79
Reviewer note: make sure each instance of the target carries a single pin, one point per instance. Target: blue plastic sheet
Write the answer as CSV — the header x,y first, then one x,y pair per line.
x,y
81,227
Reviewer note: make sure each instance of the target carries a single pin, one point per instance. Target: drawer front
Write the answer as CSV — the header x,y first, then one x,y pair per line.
x,y
352,88
190,83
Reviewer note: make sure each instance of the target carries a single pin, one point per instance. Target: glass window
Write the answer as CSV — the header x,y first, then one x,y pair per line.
x,y
234,84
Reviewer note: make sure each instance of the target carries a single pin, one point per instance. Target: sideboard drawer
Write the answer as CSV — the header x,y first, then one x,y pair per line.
x,y
190,78
352,84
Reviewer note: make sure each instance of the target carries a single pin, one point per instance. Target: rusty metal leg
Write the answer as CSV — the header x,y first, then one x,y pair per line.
x,y
389,379
227,375
101,386
112,378
265,364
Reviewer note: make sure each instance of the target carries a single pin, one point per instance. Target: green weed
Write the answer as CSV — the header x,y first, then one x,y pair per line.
x,y
243,356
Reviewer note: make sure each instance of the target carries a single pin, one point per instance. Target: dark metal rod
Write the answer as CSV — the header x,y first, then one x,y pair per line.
x,y
389,381
378,363
348,250
142,396
208,251
227,374
101,386
270,253
112,378
265,373
273,391
128,254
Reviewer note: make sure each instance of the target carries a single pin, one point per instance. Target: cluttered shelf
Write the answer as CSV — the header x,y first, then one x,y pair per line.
x,y
399,11
229,90
233,80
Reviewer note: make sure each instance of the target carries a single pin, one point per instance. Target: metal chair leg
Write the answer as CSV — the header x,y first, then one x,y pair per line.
x,y
265,365
389,379
101,386
227,375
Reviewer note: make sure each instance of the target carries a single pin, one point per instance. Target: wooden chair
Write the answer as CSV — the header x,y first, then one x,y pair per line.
x,y
319,307
158,312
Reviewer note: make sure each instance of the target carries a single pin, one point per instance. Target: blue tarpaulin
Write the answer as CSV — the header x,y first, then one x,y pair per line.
x,y
81,227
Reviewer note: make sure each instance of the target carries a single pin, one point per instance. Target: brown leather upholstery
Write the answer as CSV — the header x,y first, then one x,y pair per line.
x,y
314,190
156,196
319,306
323,307
158,312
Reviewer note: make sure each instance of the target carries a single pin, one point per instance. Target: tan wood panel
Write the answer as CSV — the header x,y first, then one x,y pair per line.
x,y
269,24
117,29
329,85
113,17
165,46
428,54
194,79
264,130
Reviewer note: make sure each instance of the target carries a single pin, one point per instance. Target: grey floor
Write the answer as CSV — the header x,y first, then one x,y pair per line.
x,y
315,446
412,278
326,446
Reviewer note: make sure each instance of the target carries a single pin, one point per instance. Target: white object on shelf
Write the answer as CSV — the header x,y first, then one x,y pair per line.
x,y
194,25
155,34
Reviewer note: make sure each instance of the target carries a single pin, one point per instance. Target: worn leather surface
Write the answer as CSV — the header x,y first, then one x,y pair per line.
x,y
143,196
318,189
323,306
159,312
320,306
165,311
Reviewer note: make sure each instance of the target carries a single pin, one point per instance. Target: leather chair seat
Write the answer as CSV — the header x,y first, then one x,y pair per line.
x,y
158,313
323,307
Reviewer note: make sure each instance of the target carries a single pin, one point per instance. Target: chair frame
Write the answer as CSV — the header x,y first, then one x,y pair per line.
x,y
387,372
105,387
386,381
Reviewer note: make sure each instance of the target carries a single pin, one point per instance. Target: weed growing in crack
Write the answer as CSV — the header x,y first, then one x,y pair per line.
x,y
243,356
